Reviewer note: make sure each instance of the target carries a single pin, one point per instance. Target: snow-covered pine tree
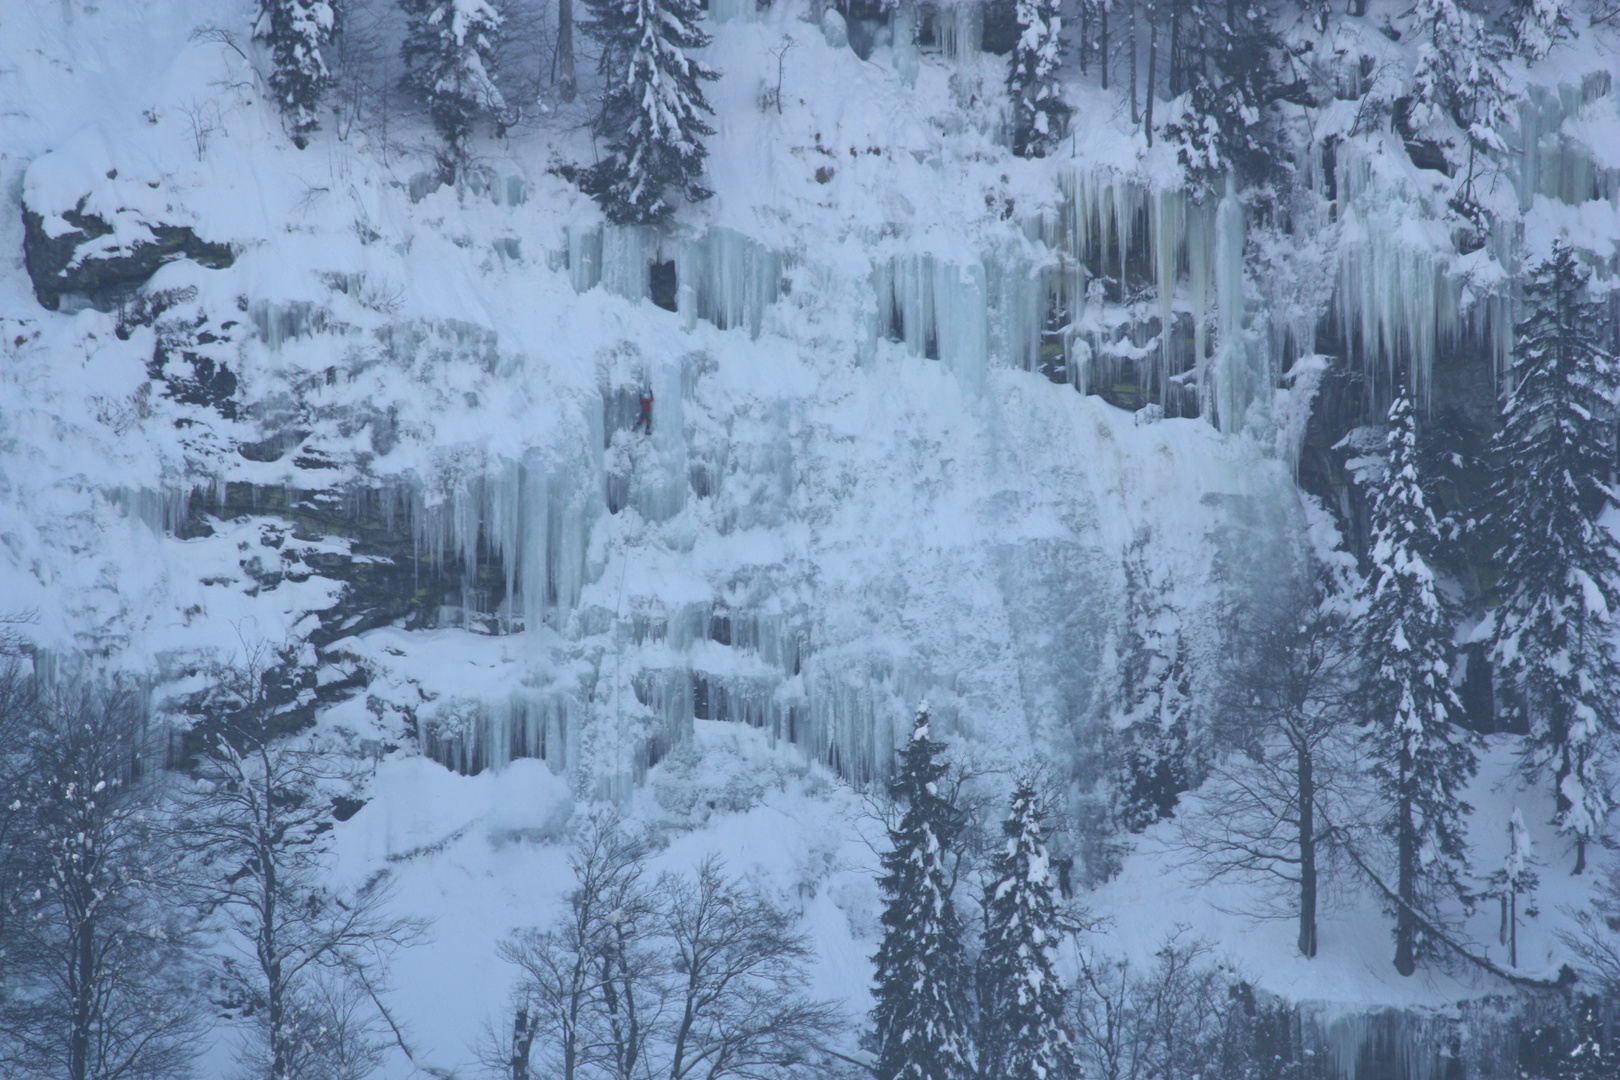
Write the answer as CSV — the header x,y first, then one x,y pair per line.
x,y
1021,996
296,32
449,55
652,113
1560,569
1459,75
1594,1052
922,988
1234,82
1155,747
1039,112
1538,25
1421,759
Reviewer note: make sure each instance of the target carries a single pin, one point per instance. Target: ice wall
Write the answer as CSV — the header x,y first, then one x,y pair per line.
x,y
722,276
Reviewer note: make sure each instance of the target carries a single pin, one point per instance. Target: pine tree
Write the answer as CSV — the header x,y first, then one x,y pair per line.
x,y
1538,25
922,985
1459,75
1232,125
1039,112
297,31
1594,1053
449,55
1156,759
1421,760
652,114
1021,997
1560,569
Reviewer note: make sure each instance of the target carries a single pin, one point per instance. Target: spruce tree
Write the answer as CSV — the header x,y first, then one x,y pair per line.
x,y
1459,75
1594,1052
1156,760
1232,125
921,1014
652,114
449,55
1039,112
1538,25
296,32
1560,570
1021,997
1421,760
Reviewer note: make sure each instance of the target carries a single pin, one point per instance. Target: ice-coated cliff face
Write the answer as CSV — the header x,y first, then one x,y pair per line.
x,y
858,487
915,406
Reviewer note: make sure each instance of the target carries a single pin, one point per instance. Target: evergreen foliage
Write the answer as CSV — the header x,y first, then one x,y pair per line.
x,y
1594,1052
652,113
1039,113
1021,996
921,1014
296,32
1421,760
1459,76
1538,25
1232,126
1560,570
449,55
1156,758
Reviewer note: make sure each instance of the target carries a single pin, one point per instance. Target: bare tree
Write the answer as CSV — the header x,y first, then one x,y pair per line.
x,y
19,703
254,827
703,981
1596,936
1261,816
1164,1023
738,1005
567,971
100,952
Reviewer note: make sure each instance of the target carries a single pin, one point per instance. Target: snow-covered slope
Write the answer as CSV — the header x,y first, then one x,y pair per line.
x,y
395,432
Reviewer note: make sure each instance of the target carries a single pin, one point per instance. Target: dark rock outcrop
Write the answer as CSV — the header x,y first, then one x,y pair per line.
x,y
55,268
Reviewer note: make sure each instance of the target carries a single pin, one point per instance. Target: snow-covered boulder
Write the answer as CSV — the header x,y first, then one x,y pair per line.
x,y
93,229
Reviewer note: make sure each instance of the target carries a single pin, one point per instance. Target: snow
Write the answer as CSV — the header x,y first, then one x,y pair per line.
x,y
856,466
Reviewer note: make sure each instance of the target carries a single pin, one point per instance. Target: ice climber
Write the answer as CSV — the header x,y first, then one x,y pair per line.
x,y
644,421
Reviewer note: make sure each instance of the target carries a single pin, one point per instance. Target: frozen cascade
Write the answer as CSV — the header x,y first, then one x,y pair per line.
x,y
1395,305
722,276
959,30
1550,162
733,11
726,279
531,517
1239,380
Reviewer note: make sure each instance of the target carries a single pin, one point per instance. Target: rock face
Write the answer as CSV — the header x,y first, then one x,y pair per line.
x,y
57,266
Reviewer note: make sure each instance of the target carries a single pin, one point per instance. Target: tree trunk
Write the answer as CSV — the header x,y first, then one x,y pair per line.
x,y
1513,927
1085,32
1102,43
1153,67
522,1040
1175,48
1406,884
565,49
1130,44
84,965
1307,852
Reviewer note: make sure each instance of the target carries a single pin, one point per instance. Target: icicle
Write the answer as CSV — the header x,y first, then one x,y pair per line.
x,y
733,11
727,279
960,31
584,257
1234,388
626,262
958,315
1169,226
